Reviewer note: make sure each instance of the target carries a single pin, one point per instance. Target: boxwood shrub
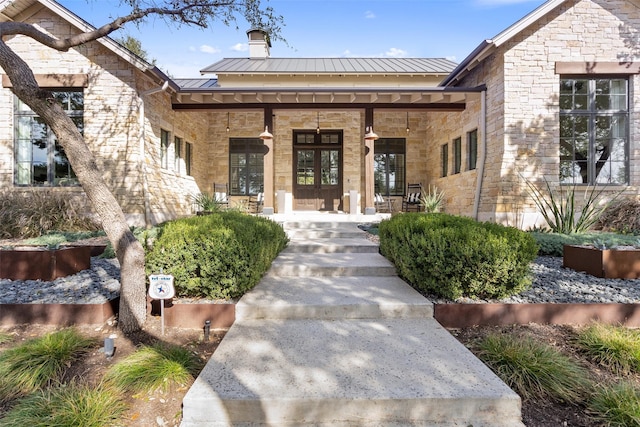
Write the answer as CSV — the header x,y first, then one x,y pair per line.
x,y
453,257
218,256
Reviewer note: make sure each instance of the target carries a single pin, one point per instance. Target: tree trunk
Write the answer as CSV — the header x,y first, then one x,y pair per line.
x,y
129,251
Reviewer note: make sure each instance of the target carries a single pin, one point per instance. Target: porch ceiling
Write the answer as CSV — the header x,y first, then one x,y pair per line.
x,y
437,98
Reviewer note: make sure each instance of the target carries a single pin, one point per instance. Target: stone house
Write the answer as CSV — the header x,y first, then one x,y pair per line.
x,y
552,97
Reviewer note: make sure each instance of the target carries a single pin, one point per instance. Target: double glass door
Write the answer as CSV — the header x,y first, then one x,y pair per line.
x,y
318,171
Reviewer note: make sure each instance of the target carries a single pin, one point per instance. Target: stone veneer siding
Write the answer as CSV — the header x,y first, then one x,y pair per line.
x,y
522,106
112,130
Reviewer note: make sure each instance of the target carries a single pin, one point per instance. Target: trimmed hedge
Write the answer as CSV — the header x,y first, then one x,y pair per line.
x,y
218,256
453,257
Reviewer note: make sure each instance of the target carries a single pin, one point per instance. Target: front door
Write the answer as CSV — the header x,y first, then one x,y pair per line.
x,y
317,170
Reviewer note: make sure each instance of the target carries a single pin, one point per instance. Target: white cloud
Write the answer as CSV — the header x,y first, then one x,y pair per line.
x,y
394,52
369,15
240,47
209,49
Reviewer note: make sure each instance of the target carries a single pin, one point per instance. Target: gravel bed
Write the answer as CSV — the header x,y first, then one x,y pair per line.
x,y
96,285
552,284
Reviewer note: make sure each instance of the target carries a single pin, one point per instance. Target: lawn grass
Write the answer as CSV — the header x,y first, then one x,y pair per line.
x,y
617,348
617,405
534,370
34,364
68,405
155,367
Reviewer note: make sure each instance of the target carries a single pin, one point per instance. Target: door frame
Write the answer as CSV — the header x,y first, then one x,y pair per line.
x,y
318,145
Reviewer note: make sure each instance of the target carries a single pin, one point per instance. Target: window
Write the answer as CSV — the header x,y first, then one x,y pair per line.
x,y
472,149
164,149
39,159
187,158
177,160
246,166
594,124
457,155
445,160
389,166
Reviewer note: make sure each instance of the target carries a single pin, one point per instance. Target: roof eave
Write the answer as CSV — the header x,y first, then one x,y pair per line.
x,y
483,50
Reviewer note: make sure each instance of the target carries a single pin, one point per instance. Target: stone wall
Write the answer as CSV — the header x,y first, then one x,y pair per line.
x,y
522,128
112,120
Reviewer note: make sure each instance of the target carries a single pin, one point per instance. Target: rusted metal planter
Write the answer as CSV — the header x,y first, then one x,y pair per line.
x,y
193,315
41,263
607,263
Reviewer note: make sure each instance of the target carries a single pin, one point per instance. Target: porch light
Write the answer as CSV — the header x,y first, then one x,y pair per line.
x,y
266,134
408,129
370,134
228,121
318,126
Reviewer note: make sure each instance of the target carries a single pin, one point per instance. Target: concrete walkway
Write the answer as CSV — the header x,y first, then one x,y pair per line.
x,y
332,337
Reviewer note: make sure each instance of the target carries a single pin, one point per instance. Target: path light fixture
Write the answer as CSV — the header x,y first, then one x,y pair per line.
x,y
370,134
266,134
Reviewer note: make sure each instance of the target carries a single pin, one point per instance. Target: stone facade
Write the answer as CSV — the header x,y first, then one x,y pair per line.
x,y
522,128
516,119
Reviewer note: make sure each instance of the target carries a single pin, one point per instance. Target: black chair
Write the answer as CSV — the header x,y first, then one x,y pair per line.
x,y
411,200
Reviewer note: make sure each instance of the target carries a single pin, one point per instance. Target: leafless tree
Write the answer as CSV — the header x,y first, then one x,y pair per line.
x,y
200,13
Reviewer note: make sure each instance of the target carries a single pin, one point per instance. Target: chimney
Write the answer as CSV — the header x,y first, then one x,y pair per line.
x,y
259,44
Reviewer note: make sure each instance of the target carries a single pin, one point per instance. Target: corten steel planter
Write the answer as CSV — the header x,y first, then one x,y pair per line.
x,y
39,263
607,263
57,314
193,315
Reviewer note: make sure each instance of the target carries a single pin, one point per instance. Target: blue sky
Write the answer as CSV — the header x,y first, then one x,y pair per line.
x,y
327,28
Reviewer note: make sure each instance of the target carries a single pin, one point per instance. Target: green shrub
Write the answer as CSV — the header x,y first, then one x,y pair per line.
x,y
617,405
615,347
218,256
31,213
534,370
452,256
551,244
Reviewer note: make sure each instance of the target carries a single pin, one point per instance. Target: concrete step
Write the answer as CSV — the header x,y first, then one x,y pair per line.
x,y
289,264
327,233
338,245
385,372
362,297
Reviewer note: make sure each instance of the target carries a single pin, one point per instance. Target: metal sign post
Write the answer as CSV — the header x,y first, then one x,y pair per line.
x,y
161,287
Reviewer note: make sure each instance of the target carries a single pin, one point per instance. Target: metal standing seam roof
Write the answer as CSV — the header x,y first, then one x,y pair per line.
x,y
332,66
204,83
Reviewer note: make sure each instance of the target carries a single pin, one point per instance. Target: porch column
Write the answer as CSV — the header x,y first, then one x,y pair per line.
x,y
369,182
268,188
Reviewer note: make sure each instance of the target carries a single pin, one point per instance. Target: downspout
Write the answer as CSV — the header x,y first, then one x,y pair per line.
x,y
143,163
483,156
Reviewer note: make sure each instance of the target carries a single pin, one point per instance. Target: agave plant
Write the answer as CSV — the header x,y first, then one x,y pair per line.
x,y
206,202
432,199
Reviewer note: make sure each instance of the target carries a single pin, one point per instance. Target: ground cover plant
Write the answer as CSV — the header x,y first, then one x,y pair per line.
x,y
93,390
616,348
551,244
452,257
559,383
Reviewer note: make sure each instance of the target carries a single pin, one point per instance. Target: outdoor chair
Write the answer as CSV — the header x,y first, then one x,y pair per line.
x,y
383,204
255,203
221,194
411,200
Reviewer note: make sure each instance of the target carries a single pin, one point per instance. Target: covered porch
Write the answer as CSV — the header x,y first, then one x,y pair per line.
x,y
319,150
